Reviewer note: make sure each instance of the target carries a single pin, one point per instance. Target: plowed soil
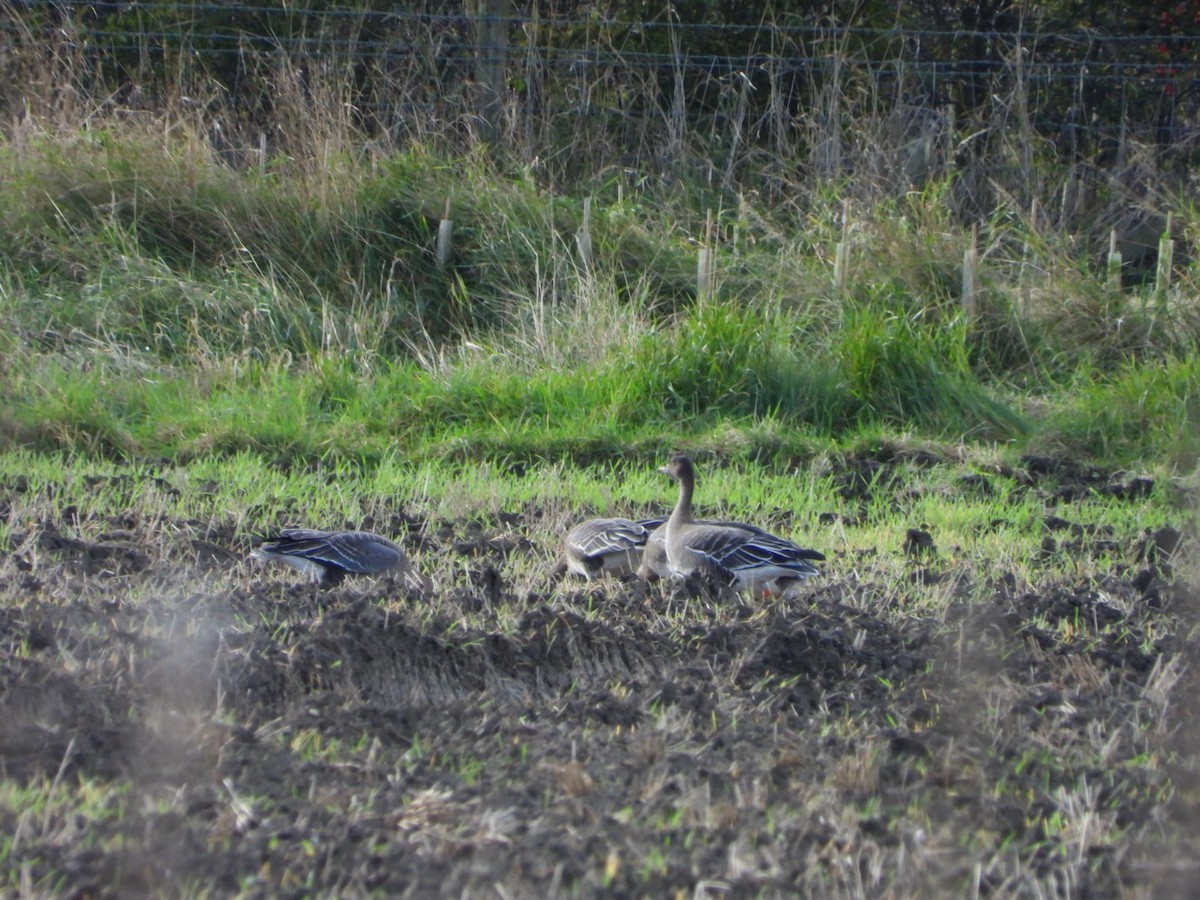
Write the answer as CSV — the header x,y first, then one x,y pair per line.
x,y
183,722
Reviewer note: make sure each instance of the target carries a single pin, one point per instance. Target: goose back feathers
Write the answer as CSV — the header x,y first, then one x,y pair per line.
x,y
328,556
605,546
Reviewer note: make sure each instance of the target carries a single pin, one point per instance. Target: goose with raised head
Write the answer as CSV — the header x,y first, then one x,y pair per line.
x,y
327,557
611,546
745,556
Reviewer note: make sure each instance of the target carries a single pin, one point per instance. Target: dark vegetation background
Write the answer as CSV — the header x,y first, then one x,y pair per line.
x,y
534,77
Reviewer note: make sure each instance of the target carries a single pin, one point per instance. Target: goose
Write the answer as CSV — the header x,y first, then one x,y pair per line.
x,y
598,546
654,555
329,556
745,556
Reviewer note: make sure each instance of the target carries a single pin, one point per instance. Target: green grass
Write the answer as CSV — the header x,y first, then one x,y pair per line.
x,y
974,530
163,304
699,387
1155,404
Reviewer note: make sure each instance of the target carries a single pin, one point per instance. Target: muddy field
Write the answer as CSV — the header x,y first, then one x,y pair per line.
x,y
176,720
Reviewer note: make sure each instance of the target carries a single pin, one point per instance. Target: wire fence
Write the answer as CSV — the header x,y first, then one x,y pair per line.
x,y
648,87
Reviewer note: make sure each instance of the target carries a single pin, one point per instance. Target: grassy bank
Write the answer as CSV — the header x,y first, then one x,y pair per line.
x,y
163,303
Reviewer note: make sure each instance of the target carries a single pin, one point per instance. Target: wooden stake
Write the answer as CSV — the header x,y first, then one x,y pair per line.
x,y
841,254
1027,252
705,264
1114,262
583,238
951,137
970,274
443,238
1166,259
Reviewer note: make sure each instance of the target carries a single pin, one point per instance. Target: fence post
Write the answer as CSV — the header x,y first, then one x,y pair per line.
x,y
491,55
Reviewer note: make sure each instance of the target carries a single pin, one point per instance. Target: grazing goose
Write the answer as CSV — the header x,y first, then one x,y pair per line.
x,y
329,556
597,546
748,557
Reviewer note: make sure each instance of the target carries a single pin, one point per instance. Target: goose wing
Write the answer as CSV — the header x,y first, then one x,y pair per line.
x,y
355,552
766,536
739,550
652,524
600,537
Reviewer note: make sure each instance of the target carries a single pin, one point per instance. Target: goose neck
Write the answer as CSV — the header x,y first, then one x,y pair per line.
x,y
683,507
